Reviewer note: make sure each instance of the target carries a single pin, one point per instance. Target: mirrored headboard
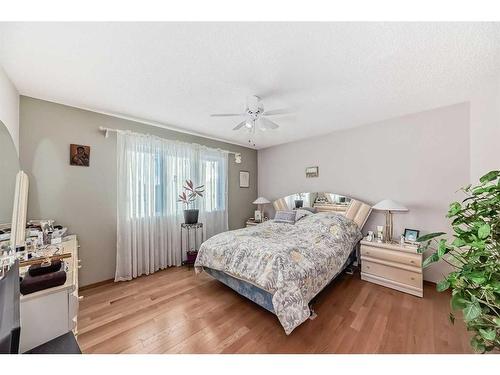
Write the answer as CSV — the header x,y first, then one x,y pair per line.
x,y
354,209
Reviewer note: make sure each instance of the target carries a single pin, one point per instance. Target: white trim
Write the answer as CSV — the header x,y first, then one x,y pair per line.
x,y
163,126
237,155
143,121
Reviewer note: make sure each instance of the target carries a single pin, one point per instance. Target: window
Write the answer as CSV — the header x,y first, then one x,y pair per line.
x,y
159,187
156,180
150,174
214,198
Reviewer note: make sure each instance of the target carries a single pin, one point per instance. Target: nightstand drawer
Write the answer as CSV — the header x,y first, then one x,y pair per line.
x,y
392,255
392,273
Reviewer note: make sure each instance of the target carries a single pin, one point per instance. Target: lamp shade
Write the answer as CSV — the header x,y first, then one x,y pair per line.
x,y
389,205
261,200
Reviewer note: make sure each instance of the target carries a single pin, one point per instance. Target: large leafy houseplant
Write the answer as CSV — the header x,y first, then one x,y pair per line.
x,y
474,253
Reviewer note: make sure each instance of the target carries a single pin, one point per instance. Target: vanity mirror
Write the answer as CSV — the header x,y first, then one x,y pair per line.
x,y
13,194
46,275
9,166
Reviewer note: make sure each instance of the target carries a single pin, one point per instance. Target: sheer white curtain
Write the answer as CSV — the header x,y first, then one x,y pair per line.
x,y
151,173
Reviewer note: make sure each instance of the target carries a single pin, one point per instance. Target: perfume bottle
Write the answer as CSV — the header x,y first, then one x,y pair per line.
x,y
380,233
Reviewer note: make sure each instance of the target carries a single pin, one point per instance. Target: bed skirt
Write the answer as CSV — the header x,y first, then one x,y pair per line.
x,y
254,293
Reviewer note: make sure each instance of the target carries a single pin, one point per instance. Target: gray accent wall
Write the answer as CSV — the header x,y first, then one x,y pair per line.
x,y
419,160
84,199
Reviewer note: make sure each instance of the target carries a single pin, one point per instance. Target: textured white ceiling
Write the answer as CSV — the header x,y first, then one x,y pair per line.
x,y
335,75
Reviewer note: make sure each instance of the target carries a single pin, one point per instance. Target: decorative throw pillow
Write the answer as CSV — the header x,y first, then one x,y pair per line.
x,y
285,217
301,213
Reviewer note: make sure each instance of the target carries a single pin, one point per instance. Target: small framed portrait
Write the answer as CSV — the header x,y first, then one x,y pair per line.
x,y
79,155
312,172
411,235
244,179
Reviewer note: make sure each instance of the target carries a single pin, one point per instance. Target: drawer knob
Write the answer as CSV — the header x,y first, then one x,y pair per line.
x,y
79,266
80,298
412,261
367,267
412,278
368,253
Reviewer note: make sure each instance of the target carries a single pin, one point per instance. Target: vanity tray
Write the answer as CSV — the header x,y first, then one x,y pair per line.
x,y
42,260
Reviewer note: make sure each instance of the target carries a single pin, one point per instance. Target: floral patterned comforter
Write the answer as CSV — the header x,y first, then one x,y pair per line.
x,y
293,262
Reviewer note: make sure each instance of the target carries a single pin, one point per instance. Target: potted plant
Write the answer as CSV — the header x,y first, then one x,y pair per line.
x,y
474,253
188,197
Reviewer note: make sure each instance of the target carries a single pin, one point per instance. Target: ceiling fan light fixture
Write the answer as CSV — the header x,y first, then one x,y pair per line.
x,y
255,116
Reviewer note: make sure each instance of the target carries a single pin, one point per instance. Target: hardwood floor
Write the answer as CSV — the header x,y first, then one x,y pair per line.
x,y
176,311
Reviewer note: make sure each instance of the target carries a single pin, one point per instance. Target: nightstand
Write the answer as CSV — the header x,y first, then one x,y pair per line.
x,y
392,265
251,222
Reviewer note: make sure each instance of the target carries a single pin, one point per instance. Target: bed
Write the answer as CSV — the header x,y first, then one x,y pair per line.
x,y
282,266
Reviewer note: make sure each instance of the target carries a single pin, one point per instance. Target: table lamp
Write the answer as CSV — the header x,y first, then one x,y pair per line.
x,y
389,206
259,214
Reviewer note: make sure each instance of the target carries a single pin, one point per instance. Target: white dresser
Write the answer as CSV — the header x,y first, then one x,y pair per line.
x,y
52,312
392,265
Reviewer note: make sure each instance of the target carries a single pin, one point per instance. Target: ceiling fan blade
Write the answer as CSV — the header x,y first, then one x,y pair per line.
x,y
266,94
267,124
240,125
283,111
227,114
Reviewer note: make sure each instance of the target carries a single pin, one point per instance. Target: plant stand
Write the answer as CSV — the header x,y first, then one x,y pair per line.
x,y
190,245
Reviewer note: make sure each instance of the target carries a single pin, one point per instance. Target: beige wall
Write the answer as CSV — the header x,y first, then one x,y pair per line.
x,y
419,160
84,199
485,128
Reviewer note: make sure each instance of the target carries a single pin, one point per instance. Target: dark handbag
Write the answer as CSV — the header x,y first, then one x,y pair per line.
x,y
31,284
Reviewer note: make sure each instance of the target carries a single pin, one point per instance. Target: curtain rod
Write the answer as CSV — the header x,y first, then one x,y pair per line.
x,y
237,155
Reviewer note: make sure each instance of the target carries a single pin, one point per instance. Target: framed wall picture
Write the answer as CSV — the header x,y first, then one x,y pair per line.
x,y
312,172
79,155
244,179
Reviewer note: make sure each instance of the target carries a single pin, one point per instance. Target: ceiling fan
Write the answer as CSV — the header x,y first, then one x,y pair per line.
x,y
255,116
